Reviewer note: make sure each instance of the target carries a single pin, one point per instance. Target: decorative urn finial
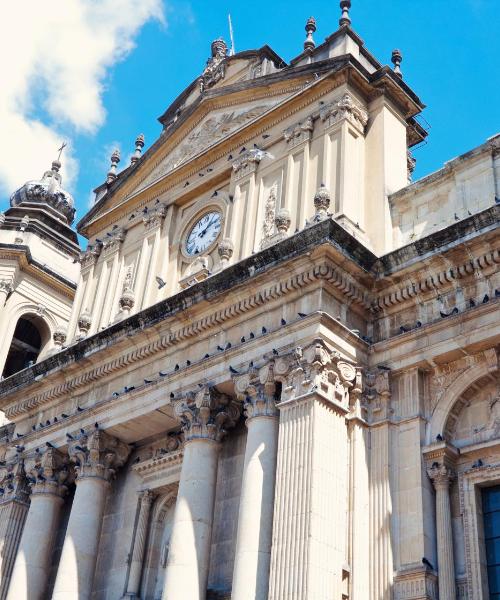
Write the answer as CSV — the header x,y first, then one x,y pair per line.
x,y
309,43
115,159
345,19
139,145
397,59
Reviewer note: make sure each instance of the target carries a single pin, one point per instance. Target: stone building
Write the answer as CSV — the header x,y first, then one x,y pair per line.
x,y
280,373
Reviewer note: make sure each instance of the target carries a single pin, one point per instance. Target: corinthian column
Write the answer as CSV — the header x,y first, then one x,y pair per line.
x,y
255,522
14,505
204,417
441,477
97,456
32,566
134,579
309,530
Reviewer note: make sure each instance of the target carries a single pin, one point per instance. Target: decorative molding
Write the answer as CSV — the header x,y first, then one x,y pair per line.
x,y
416,584
97,454
113,240
49,472
257,390
376,397
323,272
247,163
299,133
153,218
13,482
207,414
89,257
344,109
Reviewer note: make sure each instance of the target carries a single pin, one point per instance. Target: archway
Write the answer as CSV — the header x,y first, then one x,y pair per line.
x,y
29,338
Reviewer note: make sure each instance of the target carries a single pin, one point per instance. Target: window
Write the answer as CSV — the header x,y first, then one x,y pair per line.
x,y
491,515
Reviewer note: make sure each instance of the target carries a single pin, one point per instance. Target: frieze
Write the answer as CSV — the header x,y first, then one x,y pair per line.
x,y
344,109
299,133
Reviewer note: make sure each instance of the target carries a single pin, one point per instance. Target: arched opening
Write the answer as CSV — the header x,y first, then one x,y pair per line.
x,y
30,336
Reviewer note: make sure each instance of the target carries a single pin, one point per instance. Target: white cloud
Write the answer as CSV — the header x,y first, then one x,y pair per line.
x,y
56,55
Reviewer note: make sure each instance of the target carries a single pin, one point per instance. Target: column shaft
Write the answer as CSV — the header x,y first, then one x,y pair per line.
x,y
32,566
446,566
75,574
12,519
134,580
189,552
308,551
253,545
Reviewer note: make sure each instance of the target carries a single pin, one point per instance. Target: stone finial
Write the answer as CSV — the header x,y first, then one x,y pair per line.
x,y
396,59
84,323
207,414
139,145
115,159
97,454
345,19
225,250
59,337
309,43
282,221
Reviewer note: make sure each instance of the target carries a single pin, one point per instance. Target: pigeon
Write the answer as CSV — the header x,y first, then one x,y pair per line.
x,y
472,303
220,348
41,425
243,340
162,374
243,150
302,315
49,445
188,363
265,135
115,394
47,422
33,427
96,425
19,448
214,194
427,563
148,381
404,329
283,322
40,477
497,293
486,299
457,218
82,431
453,312
138,459
209,170
207,355
55,420
250,364
69,436
367,339
201,174
418,324
186,184
160,282
176,368
230,157
129,389
439,437
228,345
477,464
264,331
64,416
275,352
384,368
172,394
79,449
252,335
233,370
78,409
19,435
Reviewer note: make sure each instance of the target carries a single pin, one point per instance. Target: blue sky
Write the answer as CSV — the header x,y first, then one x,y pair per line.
x,y
450,61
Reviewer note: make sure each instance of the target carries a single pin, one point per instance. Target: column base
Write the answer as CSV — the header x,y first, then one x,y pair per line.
x,y
416,583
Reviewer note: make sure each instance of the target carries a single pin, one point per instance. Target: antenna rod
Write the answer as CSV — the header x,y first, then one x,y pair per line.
x,y
232,51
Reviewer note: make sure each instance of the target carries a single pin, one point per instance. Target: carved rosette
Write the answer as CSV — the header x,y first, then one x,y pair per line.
x,y
257,391
315,369
299,133
49,473
441,475
377,395
345,109
14,484
247,163
98,454
207,414
225,249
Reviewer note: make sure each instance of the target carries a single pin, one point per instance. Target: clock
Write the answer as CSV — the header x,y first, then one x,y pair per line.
x,y
203,233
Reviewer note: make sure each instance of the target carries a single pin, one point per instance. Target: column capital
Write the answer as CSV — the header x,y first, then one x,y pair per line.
x,y
14,485
147,497
441,475
206,414
315,369
49,472
97,454
257,390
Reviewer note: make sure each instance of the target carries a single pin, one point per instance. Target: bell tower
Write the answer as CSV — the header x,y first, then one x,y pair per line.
x,y
38,271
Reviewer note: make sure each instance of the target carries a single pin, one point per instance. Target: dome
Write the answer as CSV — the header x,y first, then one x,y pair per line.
x,y
47,190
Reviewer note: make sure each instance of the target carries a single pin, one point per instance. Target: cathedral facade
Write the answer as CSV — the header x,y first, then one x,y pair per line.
x,y
273,372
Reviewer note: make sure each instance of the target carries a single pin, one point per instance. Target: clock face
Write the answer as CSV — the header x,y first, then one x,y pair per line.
x,y
203,233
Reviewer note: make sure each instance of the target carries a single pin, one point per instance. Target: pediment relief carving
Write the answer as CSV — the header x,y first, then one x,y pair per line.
x,y
213,128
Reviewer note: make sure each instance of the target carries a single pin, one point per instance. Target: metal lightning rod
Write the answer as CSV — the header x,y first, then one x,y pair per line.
x,y
232,51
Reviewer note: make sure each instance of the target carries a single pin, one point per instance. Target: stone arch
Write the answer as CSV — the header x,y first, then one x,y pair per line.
x,y
457,393
162,510
29,335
